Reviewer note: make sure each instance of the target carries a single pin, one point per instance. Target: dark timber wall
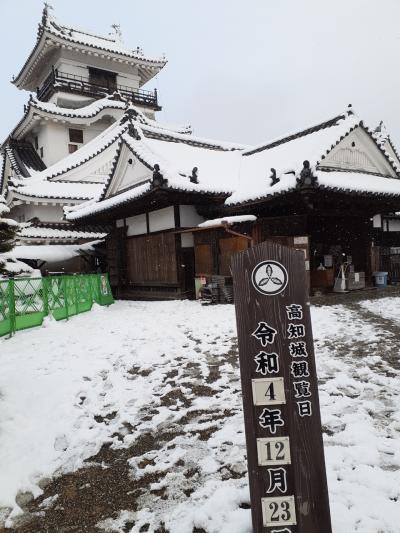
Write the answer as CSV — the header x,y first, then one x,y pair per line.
x,y
152,258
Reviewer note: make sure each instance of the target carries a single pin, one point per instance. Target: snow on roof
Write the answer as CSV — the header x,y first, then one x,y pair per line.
x,y
111,43
50,31
4,209
358,181
42,185
88,111
177,136
237,219
226,169
31,231
342,181
149,124
287,155
58,190
51,253
11,265
93,207
24,159
218,170
85,153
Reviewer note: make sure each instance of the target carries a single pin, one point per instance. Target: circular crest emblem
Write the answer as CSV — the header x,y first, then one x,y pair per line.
x,y
269,277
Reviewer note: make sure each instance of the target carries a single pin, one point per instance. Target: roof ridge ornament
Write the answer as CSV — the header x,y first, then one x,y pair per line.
x,y
273,177
158,179
45,15
306,178
194,177
129,115
46,7
133,131
117,32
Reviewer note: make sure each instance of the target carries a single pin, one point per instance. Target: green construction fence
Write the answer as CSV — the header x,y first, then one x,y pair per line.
x,y
25,302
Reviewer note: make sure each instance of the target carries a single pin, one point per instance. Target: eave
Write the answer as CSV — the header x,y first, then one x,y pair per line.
x,y
319,199
16,198
33,113
155,198
49,41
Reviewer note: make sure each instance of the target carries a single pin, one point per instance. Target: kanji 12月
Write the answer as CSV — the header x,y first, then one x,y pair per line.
x,y
273,451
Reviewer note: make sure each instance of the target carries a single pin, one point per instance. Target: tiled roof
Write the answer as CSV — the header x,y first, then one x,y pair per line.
x,y
24,158
87,113
242,174
59,231
57,190
112,45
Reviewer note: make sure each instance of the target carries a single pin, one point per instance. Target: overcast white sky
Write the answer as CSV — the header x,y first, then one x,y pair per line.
x,y
239,70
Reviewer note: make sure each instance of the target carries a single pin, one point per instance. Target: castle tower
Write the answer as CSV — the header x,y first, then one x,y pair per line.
x,y
61,151
71,68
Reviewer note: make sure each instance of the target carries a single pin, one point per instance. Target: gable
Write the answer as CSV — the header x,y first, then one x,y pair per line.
x,y
129,171
94,170
358,152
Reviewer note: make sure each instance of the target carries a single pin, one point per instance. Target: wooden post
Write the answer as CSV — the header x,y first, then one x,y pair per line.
x,y
285,454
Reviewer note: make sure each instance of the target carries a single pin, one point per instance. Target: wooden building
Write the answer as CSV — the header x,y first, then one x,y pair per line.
x,y
181,205
88,146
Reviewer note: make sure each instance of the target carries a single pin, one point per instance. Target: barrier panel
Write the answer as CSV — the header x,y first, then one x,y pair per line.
x,y
25,302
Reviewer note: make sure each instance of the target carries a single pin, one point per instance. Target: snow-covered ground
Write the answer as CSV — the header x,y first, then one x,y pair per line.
x,y
140,402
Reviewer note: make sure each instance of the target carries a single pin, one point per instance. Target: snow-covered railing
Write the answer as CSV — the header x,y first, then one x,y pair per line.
x,y
25,302
84,85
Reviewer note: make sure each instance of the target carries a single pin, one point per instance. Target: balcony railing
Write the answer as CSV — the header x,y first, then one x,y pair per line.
x,y
62,81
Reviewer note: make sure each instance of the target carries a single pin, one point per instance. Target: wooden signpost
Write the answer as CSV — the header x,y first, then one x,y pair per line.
x,y
285,453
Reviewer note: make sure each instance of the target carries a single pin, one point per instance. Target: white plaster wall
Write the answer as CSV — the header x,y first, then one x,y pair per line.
x,y
128,80
136,225
162,219
377,221
74,63
187,240
394,225
70,67
92,131
189,216
74,101
54,138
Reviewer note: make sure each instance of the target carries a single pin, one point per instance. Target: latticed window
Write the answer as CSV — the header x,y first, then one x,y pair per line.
x,y
103,78
76,136
72,148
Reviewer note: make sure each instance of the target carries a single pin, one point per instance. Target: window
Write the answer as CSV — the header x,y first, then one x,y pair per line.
x,y
72,148
104,78
41,152
76,136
